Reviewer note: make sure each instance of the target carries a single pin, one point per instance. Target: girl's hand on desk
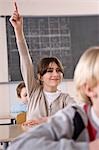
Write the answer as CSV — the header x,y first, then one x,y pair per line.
x,y
34,122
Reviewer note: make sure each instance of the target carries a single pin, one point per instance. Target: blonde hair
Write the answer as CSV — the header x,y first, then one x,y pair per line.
x,y
87,71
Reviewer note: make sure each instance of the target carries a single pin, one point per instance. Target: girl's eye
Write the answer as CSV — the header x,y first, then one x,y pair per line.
x,y
49,70
58,70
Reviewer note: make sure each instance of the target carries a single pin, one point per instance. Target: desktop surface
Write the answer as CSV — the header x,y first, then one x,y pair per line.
x,y
10,132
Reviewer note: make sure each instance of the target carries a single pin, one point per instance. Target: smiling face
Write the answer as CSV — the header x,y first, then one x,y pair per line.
x,y
52,77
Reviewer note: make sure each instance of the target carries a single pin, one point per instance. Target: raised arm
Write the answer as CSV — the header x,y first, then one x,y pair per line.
x,y
27,69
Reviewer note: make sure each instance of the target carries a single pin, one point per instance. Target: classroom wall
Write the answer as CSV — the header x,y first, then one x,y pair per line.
x,y
43,8
51,7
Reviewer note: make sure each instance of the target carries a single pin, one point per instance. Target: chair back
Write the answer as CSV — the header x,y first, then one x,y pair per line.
x,y
21,117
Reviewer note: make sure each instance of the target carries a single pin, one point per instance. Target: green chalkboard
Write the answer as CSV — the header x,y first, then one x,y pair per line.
x,y
65,37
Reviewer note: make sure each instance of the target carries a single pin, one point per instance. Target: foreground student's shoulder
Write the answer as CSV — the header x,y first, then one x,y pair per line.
x,y
69,100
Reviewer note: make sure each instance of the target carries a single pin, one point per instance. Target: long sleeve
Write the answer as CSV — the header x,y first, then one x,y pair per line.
x,y
27,68
54,135
18,107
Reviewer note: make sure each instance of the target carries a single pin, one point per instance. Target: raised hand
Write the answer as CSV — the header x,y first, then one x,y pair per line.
x,y
16,20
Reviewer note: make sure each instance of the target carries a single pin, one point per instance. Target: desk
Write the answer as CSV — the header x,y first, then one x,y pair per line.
x,y
9,132
7,120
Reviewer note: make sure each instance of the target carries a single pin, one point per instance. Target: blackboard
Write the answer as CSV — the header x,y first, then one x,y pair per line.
x,y
65,37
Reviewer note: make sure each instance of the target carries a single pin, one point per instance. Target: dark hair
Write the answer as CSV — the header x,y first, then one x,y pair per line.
x,y
44,63
19,88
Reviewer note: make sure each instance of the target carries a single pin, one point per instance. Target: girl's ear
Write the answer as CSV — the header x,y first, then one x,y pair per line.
x,y
88,90
39,77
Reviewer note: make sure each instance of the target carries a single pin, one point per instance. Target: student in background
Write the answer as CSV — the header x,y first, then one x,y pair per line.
x,y
21,104
44,97
75,127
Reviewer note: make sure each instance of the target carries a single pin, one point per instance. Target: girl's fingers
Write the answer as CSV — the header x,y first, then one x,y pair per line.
x,y
16,9
13,18
31,123
15,6
35,122
28,122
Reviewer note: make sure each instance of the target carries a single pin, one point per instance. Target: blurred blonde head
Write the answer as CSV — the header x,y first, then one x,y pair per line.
x,y
87,72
